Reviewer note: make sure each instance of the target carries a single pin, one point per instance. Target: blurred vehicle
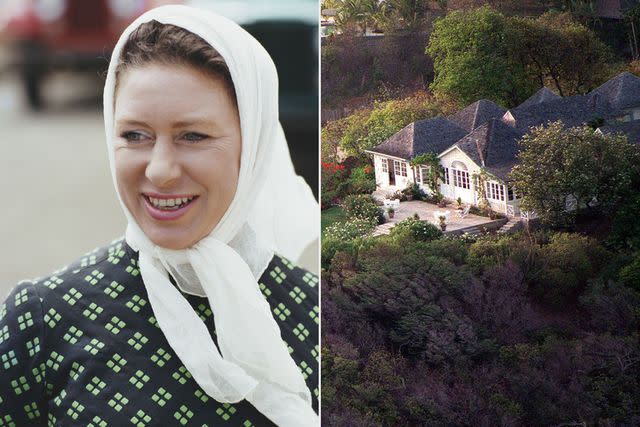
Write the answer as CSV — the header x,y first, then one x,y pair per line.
x,y
50,35
289,31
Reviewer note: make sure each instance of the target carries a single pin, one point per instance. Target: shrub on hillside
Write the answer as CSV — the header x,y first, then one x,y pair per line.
x,y
563,267
351,229
363,206
416,229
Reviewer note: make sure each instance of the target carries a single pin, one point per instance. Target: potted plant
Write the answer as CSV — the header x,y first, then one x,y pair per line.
x,y
391,212
459,201
443,222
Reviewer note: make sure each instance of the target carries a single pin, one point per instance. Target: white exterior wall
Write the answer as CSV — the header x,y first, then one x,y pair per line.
x,y
450,191
471,196
382,178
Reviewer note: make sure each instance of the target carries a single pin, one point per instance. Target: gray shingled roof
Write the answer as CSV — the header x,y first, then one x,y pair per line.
x,y
477,114
424,136
620,92
630,129
493,146
572,110
540,97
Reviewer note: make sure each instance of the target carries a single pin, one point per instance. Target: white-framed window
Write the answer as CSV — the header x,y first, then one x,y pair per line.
x,y
424,174
495,191
446,176
400,168
384,165
460,175
510,194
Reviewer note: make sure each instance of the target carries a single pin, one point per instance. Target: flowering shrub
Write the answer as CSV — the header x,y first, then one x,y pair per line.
x,y
349,230
361,181
362,206
416,228
334,182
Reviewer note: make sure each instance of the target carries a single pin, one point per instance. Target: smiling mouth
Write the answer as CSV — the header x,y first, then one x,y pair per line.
x,y
169,204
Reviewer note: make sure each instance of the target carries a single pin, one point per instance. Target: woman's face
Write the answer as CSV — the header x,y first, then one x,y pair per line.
x,y
177,151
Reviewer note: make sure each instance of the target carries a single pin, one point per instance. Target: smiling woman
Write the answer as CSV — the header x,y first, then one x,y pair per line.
x,y
177,163
195,317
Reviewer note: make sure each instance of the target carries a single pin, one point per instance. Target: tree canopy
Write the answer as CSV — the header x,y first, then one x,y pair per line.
x,y
483,54
562,169
471,52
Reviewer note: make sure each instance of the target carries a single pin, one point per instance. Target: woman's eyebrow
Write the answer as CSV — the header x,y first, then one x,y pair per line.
x,y
130,122
191,122
178,124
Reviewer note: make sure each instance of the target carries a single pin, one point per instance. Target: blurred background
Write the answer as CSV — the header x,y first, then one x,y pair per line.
x,y
54,167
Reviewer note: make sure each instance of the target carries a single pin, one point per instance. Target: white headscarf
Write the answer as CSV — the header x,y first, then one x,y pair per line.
x,y
273,210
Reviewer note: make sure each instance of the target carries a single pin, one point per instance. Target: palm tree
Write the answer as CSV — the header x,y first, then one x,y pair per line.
x,y
361,14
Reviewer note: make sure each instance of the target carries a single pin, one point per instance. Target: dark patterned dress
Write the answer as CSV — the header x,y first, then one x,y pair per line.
x,y
82,348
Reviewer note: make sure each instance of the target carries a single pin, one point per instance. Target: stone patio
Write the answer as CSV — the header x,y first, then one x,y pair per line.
x,y
426,211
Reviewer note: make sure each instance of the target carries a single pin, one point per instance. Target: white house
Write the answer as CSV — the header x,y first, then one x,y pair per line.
x,y
478,145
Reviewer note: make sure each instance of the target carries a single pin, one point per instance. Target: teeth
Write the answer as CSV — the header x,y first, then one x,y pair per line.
x,y
169,203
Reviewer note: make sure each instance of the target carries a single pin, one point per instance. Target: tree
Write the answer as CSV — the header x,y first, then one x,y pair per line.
x,y
405,14
368,128
435,171
472,59
562,169
559,51
356,15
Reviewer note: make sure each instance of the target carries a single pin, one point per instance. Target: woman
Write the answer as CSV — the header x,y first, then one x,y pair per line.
x,y
171,326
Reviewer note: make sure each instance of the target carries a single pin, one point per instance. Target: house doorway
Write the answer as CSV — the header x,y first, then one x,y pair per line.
x,y
392,173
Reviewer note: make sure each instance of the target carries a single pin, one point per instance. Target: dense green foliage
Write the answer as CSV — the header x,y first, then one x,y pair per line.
x,y
338,180
417,229
560,53
362,206
560,168
480,53
472,59
456,332
331,215
367,128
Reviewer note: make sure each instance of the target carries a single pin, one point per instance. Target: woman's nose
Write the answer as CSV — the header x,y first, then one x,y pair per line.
x,y
163,169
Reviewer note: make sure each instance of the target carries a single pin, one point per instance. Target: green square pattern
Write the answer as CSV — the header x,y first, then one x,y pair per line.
x,y
183,415
136,303
94,277
52,317
160,357
96,386
181,375
93,311
94,346
32,410
137,341
9,360
161,397
115,325
33,346
226,411
139,379
282,312
114,289
140,419
116,363
72,335
97,422
118,402
75,410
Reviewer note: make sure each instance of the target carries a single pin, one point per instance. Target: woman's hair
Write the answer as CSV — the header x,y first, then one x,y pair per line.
x,y
167,44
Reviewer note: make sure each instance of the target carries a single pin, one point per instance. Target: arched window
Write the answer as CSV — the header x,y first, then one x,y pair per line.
x,y
460,175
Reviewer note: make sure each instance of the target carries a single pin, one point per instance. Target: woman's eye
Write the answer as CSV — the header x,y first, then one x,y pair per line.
x,y
133,136
193,137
